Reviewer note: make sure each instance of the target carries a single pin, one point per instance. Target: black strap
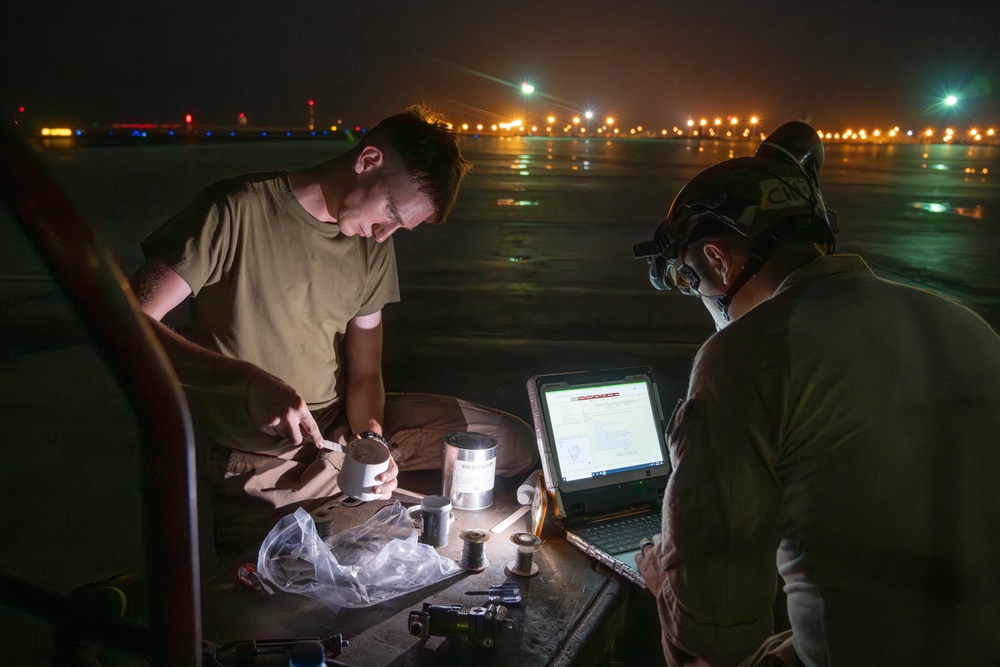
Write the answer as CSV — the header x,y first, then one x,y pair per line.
x,y
761,250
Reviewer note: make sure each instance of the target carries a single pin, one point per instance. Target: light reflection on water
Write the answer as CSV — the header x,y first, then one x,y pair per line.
x,y
598,198
976,212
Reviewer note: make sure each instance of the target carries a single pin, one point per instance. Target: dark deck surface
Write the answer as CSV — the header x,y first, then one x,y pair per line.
x,y
573,611
532,274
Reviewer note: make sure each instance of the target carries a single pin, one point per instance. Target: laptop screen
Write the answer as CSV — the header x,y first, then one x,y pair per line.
x,y
601,432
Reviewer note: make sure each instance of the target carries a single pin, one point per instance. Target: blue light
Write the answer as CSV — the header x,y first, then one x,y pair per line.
x,y
208,134
171,133
314,133
324,132
79,133
232,134
263,134
143,134
288,134
135,133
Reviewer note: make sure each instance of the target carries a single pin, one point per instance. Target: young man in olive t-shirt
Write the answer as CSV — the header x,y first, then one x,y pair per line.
x,y
287,273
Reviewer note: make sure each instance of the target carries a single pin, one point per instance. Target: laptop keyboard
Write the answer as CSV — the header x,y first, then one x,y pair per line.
x,y
621,535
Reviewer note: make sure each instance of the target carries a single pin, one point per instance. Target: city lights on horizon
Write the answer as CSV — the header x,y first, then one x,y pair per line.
x,y
733,129
587,122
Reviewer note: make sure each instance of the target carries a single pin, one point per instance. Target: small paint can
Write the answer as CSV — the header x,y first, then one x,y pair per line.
x,y
470,463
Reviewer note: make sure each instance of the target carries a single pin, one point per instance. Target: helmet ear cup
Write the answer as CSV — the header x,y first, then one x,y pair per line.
x,y
658,272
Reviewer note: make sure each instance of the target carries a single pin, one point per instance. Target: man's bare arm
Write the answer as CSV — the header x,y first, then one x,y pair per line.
x,y
274,406
365,392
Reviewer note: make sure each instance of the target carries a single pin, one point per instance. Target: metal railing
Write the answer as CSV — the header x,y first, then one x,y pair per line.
x,y
96,288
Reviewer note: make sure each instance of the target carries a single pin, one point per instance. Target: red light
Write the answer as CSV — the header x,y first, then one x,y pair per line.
x,y
357,128
310,102
242,115
188,118
21,109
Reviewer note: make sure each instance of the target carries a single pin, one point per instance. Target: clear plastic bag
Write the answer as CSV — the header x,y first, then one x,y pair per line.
x,y
357,567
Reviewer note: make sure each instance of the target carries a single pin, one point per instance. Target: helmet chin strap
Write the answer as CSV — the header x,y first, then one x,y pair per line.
x,y
761,250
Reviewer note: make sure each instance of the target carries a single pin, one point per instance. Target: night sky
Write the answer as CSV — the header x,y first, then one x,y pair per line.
x,y
838,63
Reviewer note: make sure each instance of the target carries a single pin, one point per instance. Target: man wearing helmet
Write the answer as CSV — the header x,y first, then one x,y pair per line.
x,y
841,422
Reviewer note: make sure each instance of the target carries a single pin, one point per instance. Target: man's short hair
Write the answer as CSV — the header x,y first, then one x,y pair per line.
x,y
428,148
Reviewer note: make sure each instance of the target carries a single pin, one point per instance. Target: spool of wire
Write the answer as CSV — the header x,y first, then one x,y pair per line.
x,y
323,518
474,550
527,545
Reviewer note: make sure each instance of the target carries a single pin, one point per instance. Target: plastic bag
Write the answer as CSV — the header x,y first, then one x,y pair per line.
x,y
358,567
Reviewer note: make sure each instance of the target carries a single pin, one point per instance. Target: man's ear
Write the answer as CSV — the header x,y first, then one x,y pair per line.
x,y
370,157
718,259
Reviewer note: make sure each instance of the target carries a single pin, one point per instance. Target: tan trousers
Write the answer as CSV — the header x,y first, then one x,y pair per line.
x,y
266,478
776,651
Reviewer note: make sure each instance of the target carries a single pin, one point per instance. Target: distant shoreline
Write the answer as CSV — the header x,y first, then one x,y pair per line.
x,y
65,138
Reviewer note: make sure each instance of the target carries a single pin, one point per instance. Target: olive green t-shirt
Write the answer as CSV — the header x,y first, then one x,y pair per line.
x,y
271,284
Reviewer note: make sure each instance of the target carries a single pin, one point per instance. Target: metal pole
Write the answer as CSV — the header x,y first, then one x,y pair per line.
x,y
99,293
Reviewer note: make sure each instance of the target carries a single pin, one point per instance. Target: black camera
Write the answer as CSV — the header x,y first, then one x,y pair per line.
x,y
484,626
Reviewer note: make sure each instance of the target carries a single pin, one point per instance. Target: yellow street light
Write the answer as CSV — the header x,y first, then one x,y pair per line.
x,y
610,120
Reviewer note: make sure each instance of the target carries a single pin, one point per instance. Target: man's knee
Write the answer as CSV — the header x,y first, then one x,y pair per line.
x,y
518,451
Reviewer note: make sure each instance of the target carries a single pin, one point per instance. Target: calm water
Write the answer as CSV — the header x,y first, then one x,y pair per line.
x,y
925,214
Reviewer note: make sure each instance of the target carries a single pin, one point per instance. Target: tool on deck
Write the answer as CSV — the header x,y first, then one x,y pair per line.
x,y
248,575
299,650
484,626
506,593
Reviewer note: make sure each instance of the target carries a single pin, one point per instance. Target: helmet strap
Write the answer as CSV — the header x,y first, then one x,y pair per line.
x,y
760,251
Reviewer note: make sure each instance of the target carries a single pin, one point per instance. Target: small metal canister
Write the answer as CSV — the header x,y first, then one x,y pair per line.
x,y
435,517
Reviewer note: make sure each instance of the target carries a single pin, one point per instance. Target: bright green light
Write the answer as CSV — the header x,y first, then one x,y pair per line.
x,y
527,88
951,100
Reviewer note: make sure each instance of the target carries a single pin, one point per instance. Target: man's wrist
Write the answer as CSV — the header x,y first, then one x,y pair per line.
x,y
378,437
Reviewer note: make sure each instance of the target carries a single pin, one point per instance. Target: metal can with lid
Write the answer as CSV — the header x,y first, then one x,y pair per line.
x,y
469,470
